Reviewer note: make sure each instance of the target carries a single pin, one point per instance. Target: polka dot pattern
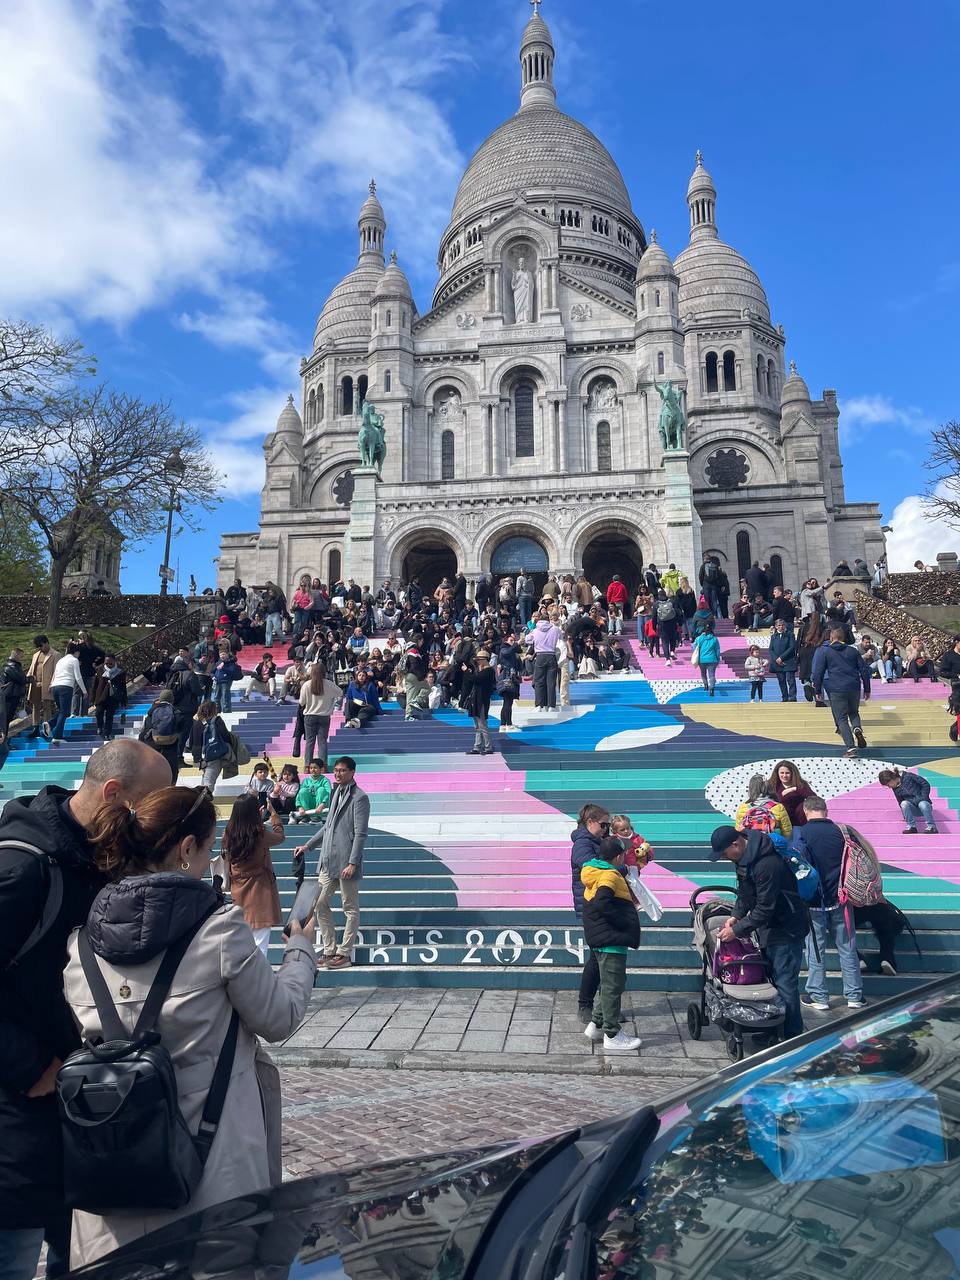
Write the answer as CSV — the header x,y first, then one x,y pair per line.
x,y
829,778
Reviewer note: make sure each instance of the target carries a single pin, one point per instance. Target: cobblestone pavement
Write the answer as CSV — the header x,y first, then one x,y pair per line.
x,y
495,1030
338,1117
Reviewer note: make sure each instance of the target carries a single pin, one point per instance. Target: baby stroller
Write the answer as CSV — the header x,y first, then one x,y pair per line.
x,y
736,995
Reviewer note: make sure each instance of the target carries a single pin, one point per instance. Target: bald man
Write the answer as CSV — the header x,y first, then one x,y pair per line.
x,y
36,1029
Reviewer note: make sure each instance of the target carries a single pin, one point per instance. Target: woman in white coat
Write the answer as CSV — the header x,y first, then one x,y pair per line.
x,y
158,857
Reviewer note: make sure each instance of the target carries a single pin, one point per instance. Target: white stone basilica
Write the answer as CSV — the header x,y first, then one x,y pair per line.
x,y
521,411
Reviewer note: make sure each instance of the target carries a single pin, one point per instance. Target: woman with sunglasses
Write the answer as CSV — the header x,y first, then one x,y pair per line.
x,y
594,826
158,860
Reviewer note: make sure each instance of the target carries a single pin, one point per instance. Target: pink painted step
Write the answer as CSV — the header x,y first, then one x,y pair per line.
x,y
655,668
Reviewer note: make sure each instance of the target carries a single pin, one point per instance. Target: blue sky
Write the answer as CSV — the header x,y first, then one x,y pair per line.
x,y
183,181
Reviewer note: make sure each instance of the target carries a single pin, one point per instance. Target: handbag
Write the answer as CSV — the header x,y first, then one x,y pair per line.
x,y
695,656
126,1144
646,901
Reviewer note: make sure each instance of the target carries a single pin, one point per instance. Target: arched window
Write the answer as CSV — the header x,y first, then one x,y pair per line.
x,y
387,381
729,371
563,217
712,384
656,298
523,418
320,403
604,459
643,302
389,317
660,365
346,402
771,379
761,372
333,567
776,569
361,390
743,553
312,408
447,455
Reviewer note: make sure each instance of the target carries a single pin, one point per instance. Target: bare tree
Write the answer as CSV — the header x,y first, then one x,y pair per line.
x,y
943,492
105,458
35,368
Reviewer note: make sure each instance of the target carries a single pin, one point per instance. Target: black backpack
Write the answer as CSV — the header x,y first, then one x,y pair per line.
x,y
126,1144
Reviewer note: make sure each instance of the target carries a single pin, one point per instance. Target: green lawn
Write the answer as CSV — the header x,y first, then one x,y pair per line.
x,y
109,639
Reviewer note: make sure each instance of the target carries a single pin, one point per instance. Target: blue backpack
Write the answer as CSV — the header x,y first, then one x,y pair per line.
x,y
214,747
807,875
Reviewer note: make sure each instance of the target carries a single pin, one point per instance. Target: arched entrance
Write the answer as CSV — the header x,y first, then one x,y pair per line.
x,y
430,561
609,553
521,554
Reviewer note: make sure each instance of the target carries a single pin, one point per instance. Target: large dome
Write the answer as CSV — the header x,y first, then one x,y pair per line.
x,y
346,313
716,280
540,151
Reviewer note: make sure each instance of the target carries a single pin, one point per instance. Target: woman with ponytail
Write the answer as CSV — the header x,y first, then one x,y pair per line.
x,y
251,879
157,857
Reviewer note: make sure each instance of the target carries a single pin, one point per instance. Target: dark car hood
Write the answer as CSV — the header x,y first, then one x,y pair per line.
x,y
418,1217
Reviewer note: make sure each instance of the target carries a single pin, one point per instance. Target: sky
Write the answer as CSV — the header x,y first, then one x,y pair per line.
x,y
183,181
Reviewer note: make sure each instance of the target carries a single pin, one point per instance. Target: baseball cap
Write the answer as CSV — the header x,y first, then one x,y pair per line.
x,y
721,840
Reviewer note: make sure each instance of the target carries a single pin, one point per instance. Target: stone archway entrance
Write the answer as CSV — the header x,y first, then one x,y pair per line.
x,y
431,561
609,553
521,553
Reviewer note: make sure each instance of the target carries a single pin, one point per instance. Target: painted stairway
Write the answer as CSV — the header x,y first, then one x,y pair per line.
x,y
467,878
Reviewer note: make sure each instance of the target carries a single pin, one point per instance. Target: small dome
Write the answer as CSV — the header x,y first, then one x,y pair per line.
x,y
289,420
655,262
393,283
700,184
346,313
372,210
536,32
716,280
795,390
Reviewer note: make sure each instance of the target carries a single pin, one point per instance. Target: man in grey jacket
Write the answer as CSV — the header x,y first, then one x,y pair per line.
x,y
341,840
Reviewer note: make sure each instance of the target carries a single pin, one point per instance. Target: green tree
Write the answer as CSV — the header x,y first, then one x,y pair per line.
x,y
23,558
104,456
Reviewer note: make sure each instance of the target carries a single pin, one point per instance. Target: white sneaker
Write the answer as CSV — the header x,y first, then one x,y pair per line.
x,y
593,1032
503,728
621,1043
669,662
856,1004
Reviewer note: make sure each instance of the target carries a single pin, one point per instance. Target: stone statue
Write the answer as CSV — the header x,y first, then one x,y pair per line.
x,y
372,438
522,285
673,422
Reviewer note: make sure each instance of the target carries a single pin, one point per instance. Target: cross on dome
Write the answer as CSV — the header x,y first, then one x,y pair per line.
x,y
536,7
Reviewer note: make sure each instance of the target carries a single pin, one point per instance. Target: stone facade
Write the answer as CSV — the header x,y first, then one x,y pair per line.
x,y
521,411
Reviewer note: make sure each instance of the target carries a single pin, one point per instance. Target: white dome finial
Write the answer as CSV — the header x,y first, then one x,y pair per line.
x,y
536,63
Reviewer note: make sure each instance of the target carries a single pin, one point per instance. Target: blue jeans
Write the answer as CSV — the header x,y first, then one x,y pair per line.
x,y
274,626
20,1253
708,674
761,619
785,959
301,620
893,668
911,811
62,695
712,599
223,695
822,924
525,605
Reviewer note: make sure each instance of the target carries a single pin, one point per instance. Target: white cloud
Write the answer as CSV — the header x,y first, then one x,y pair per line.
x,y
860,414
106,205
918,535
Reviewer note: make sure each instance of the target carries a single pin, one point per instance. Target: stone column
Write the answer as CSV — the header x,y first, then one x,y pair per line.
x,y
562,433
682,523
359,543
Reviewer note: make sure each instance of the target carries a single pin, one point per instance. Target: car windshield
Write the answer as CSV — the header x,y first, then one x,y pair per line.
x,y
840,1158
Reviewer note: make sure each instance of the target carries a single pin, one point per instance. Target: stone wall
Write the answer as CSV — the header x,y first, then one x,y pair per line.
x,y
921,588
94,611
185,630
882,620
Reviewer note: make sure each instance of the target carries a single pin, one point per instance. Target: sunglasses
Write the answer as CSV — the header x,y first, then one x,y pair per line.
x,y
604,826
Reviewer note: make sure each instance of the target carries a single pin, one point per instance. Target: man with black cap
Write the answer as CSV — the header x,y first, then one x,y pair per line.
x,y
768,905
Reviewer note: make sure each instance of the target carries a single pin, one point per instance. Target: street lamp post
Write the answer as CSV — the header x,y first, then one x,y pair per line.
x,y
173,469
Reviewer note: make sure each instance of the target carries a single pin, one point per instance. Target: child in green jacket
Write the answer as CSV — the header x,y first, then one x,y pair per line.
x,y
313,798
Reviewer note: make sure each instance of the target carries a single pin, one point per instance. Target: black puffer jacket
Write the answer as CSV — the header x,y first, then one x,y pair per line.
x,y
767,899
35,1023
585,847
135,919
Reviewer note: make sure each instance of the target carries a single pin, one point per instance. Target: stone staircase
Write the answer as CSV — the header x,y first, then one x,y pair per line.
x,y
467,879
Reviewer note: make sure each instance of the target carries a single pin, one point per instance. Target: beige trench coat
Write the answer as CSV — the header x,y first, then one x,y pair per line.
x,y
222,970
